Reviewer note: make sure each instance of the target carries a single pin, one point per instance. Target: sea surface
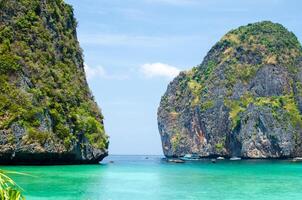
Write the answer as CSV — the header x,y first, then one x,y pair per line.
x,y
152,178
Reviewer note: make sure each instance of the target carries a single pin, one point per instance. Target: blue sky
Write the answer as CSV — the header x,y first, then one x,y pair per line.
x,y
134,48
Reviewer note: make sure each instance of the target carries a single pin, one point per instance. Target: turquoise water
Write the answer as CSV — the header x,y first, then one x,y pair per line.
x,y
134,177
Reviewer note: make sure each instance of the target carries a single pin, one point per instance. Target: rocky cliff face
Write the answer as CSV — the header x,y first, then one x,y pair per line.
x,y
47,113
245,99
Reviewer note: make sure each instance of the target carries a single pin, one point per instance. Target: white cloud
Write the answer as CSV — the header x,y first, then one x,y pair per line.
x,y
150,70
100,72
94,72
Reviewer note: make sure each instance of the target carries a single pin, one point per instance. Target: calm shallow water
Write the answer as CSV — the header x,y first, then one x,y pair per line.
x,y
134,177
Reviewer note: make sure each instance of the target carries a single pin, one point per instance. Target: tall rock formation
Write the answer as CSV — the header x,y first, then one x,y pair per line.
x,y
244,99
47,112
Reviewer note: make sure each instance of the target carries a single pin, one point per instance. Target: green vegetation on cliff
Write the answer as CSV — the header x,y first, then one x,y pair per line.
x,y
248,83
42,81
263,43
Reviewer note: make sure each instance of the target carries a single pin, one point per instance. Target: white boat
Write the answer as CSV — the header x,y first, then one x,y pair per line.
x,y
175,160
235,158
193,156
297,159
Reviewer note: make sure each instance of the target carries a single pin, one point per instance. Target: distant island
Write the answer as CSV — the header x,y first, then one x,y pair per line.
x,y
244,100
47,112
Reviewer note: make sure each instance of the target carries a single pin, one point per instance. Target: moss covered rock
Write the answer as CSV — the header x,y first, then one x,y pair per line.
x,y
47,112
244,99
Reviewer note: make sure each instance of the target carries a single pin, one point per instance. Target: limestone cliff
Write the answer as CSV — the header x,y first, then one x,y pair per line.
x,y
244,99
47,112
